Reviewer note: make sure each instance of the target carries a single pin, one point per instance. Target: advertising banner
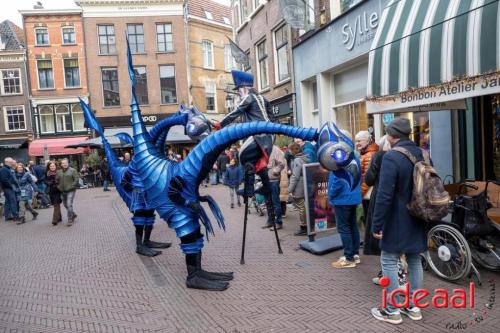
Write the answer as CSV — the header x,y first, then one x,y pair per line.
x,y
320,214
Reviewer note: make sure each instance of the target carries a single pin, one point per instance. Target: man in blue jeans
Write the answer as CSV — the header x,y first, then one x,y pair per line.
x,y
398,231
345,200
10,187
275,165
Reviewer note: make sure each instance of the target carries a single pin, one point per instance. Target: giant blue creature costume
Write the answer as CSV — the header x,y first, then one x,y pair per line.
x,y
152,182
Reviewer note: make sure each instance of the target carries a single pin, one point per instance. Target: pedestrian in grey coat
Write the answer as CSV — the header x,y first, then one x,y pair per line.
x,y
296,184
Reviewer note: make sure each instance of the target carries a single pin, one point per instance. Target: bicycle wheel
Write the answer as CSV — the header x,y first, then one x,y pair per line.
x,y
486,251
449,255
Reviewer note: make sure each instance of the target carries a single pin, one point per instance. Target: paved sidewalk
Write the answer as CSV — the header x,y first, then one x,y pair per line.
x,y
87,278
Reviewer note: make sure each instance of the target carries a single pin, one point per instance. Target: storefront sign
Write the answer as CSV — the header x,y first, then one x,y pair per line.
x,y
320,214
448,96
282,109
361,31
127,121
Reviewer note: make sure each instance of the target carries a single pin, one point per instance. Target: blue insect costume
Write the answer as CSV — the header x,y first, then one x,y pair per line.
x,y
171,188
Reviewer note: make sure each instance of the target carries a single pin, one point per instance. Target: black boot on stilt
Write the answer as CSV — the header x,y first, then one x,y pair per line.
x,y
248,189
141,249
152,244
216,276
195,278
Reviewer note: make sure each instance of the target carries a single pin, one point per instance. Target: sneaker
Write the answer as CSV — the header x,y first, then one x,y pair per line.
x,y
301,232
267,225
357,260
376,280
278,227
390,317
343,263
413,313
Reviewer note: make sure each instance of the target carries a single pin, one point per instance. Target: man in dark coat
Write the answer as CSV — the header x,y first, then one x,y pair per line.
x,y
222,162
398,231
10,188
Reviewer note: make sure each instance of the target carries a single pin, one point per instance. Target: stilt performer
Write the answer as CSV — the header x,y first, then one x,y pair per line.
x,y
171,188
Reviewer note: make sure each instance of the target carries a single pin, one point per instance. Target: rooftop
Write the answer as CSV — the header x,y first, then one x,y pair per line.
x,y
211,11
12,36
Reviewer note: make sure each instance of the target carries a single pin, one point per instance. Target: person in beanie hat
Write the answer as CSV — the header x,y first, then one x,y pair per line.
x,y
398,231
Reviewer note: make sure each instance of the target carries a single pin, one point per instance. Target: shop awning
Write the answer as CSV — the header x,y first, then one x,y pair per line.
x,y
12,143
432,52
57,146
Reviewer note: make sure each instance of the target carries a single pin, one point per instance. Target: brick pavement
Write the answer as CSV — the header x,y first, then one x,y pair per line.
x,y
87,278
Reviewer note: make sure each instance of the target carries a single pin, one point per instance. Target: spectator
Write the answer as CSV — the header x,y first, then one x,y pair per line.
x,y
366,149
67,182
345,202
275,165
233,179
38,170
284,189
308,149
126,158
105,173
222,162
398,231
26,187
54,193
10,188
296,185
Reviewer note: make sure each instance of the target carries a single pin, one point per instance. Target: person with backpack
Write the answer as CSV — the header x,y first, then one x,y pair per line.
x,y
393,224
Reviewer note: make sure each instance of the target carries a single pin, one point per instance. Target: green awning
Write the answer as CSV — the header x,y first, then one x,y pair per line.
x,y
422,44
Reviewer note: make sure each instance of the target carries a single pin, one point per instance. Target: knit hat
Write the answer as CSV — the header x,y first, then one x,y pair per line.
x,y
399,128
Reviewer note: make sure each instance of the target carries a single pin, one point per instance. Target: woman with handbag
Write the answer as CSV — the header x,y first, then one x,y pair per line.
x,y
53,192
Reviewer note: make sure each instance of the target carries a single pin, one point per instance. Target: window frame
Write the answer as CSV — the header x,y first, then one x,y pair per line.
x,y
205,42
68,114
214,84
175,81
260,59
40,116
147,90
208,15
164,34
276,49
107,39
36,37
62,34
2,85
72,106
38,74
64,74
135,35
104,68
6,122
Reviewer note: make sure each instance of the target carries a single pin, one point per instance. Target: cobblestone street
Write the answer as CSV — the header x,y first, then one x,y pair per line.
x,y
87,278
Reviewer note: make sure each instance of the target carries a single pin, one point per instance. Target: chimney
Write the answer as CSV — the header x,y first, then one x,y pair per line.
x,y
38,5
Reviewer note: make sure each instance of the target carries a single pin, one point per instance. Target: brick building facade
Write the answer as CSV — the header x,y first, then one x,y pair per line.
x,y
15,122
157,38
210,59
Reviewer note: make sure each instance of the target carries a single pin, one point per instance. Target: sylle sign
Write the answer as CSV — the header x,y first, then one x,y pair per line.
x,y
448,96
362,31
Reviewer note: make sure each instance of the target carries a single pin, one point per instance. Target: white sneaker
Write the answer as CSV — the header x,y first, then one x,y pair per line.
x,y
357,260
413,313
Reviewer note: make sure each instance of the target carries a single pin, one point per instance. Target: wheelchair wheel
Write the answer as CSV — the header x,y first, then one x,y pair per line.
x,y
449,255
486,251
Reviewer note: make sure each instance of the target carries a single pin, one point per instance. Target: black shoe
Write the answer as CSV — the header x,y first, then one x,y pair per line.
x,y
197,281
279,226
239,204
301,232
267,226
147,252
194,267
35,215
157,245
232,205
21,220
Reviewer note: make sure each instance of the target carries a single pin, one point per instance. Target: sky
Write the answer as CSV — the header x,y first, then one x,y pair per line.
x,y
9,8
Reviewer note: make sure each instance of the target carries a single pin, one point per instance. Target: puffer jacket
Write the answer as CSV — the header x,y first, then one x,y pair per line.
x,y
67,180
366,157
26,185
296,185
284,185
276,164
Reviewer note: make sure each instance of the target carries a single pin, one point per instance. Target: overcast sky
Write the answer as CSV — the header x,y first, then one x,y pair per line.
x,y
9,8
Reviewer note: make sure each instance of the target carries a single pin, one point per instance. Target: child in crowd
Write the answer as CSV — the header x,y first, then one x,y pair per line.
x,y
234,177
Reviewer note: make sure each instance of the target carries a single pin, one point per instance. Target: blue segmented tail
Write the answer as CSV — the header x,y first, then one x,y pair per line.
x,y
125,138
115,165
160,130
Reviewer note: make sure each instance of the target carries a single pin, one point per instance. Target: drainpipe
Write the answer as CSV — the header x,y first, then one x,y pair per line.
x,y
187,49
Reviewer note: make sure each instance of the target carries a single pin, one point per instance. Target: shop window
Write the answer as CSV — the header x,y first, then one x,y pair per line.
x,y
14,117
42,36
71,73
68,35
141,85
63,118
135,34
243,10
46,114
210,96
208,54
11,82
45,74
167,84
110,87
263,67
78,119
164,39
107,40
353,118
281,49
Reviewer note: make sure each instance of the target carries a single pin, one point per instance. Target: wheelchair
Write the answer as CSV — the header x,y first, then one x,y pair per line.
x,y
470,235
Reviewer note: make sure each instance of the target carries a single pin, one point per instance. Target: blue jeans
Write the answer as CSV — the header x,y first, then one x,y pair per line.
x,y
275,198
389,262
105,184
43,196
67,199
345,216
11,209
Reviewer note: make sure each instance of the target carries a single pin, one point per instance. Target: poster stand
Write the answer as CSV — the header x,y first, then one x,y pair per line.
x,y
320,214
